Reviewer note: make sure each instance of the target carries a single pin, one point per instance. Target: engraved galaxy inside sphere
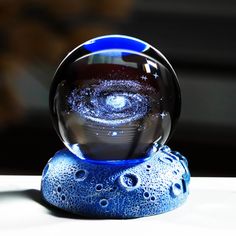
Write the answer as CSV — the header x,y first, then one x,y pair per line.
x,y
112,98
108,102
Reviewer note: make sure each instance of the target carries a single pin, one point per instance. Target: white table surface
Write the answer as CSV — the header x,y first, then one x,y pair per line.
x,y
209,210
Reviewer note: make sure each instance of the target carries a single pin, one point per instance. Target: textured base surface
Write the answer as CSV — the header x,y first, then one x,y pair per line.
x,y
152,187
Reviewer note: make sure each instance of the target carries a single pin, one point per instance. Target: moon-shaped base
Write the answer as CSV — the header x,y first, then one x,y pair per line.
x,y
157,185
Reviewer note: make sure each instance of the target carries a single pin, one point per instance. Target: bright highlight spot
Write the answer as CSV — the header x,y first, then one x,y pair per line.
x,y
115,101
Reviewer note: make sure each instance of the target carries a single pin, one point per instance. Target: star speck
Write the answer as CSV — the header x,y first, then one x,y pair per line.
x,y
163,115
143,77
112,133
156,75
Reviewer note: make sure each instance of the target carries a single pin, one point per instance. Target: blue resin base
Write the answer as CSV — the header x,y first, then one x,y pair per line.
x,y
157,185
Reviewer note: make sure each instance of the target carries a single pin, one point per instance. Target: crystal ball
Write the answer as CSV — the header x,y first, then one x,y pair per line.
x,y
114,98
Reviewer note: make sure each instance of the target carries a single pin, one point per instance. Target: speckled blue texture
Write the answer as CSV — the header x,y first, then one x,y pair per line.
x,y
155,186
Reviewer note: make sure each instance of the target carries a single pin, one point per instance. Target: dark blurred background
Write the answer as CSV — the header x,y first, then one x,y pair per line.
x,y
197,36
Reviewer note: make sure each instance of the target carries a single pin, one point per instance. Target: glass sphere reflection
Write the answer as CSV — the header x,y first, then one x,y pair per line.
x,y
113,97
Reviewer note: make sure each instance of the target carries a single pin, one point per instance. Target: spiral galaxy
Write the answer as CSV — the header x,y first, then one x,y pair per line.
x,y
111,102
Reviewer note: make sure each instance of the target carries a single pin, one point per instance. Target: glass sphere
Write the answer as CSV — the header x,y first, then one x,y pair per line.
x,y
113,97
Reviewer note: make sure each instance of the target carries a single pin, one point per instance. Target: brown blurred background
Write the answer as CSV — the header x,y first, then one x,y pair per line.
x,y
197,36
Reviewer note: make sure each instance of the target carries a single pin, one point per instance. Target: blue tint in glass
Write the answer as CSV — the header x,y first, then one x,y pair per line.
x,y
115,42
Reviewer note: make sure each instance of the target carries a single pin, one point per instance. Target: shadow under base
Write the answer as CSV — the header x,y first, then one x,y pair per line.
x,y
158,185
